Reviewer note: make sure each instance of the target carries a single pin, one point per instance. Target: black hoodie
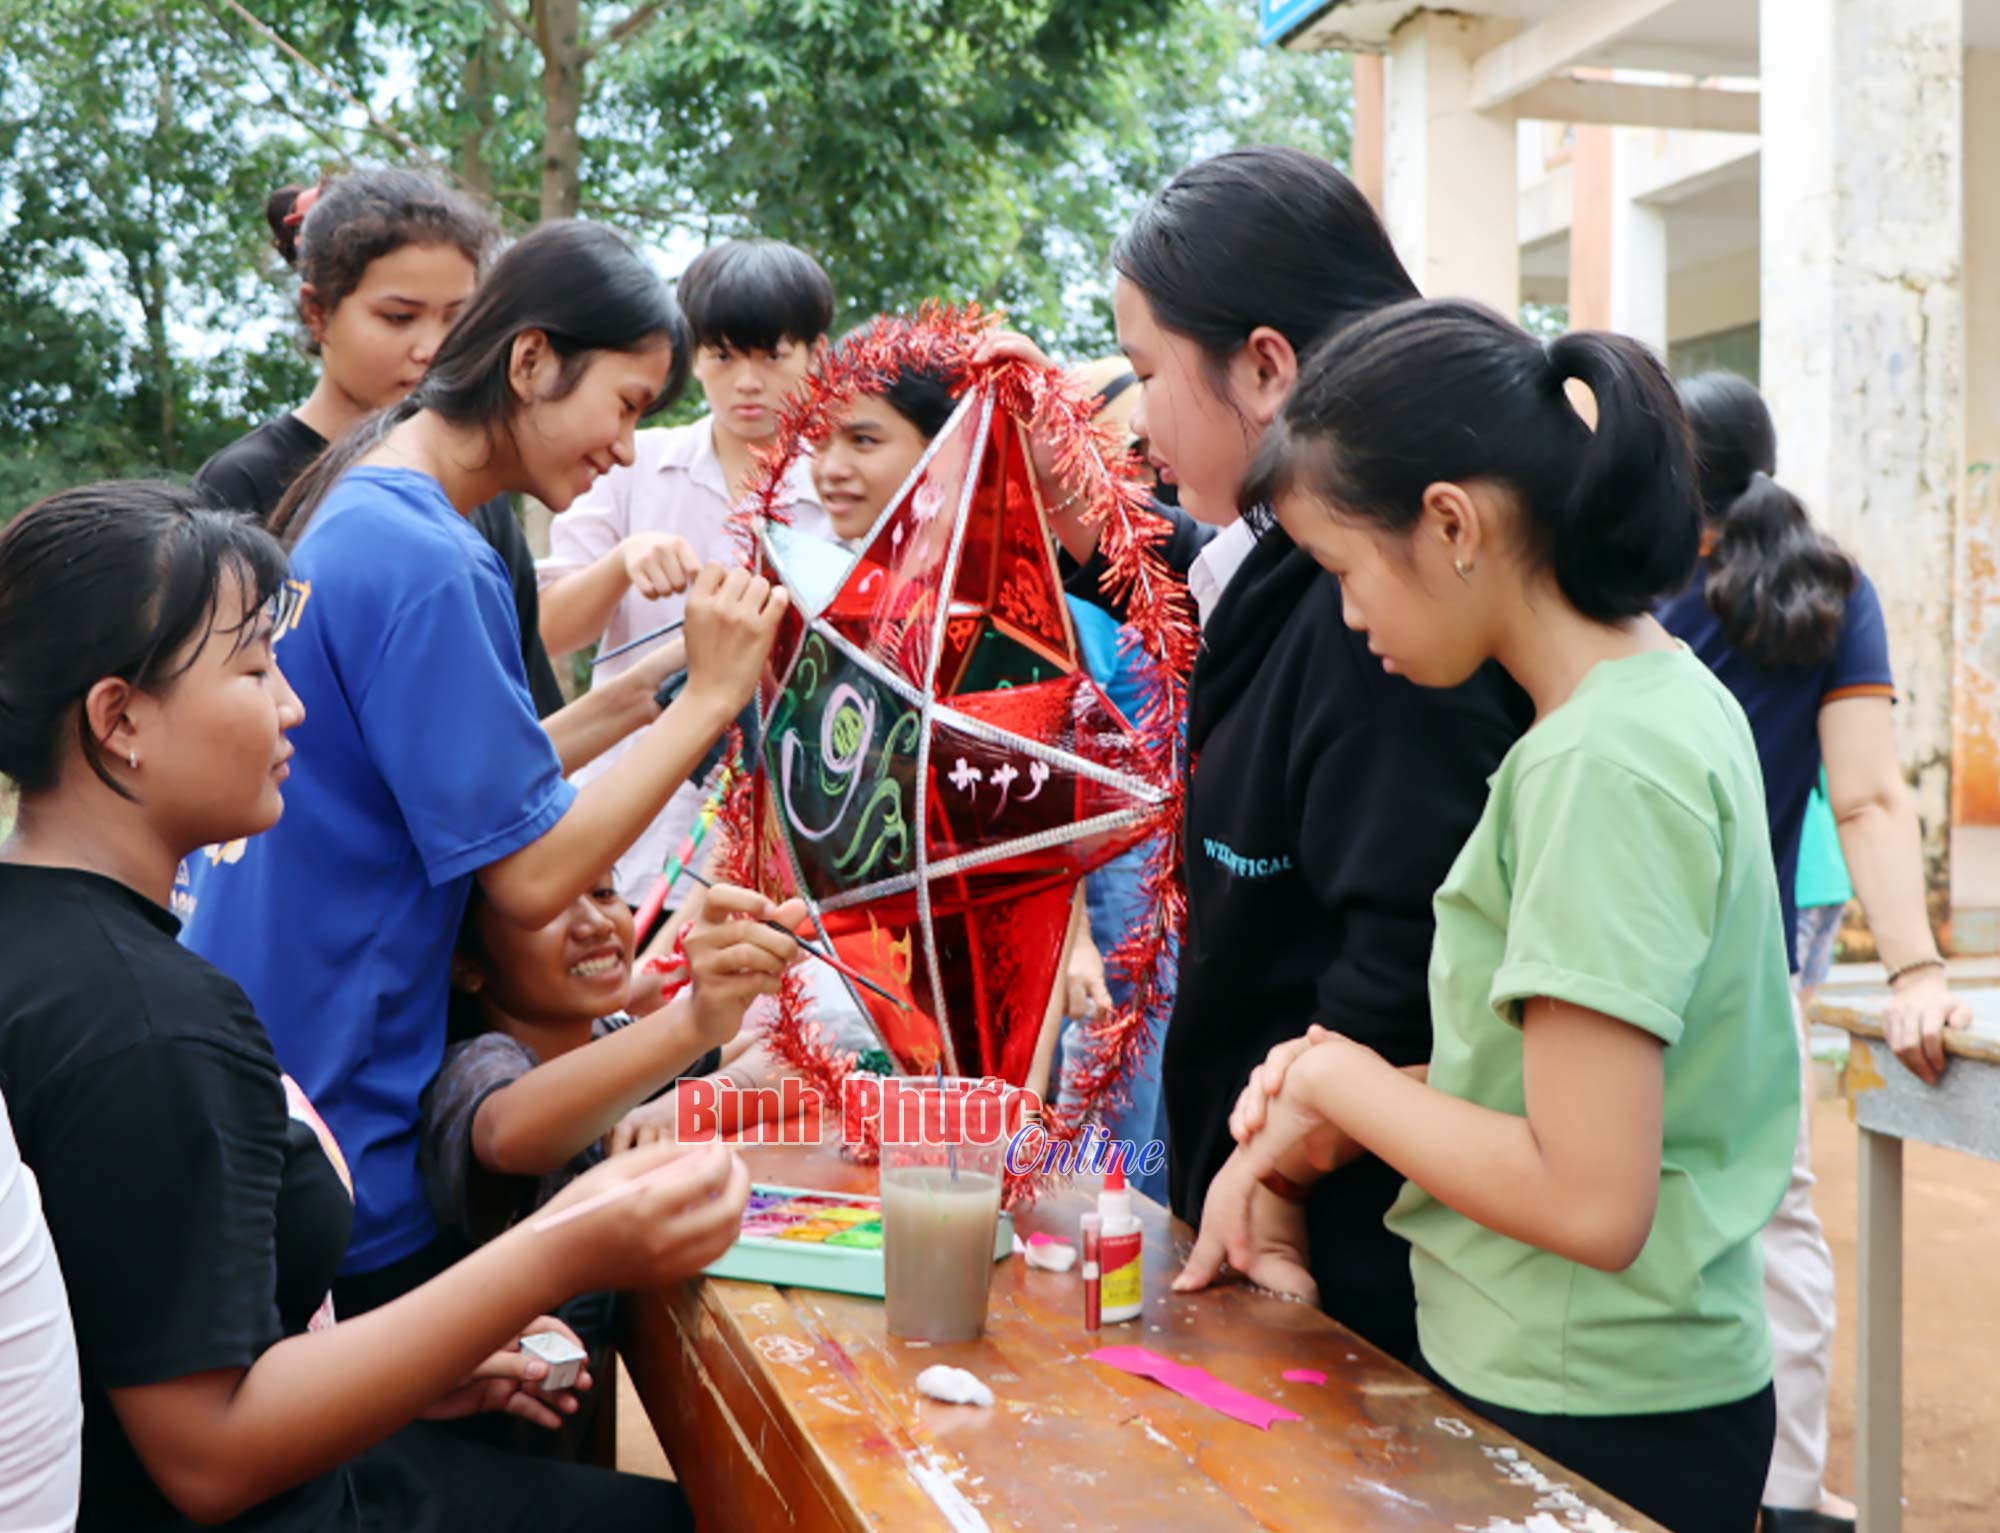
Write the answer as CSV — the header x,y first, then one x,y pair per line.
x,y
1328,800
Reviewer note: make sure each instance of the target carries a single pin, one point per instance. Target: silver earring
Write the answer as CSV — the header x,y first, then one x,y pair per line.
x,y
1464,570
132,760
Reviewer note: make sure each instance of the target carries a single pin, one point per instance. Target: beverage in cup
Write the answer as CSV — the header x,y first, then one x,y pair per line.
x,y
940,1208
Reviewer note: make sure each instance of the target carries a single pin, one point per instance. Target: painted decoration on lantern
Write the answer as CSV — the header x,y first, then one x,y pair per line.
x,y
933,768
936,766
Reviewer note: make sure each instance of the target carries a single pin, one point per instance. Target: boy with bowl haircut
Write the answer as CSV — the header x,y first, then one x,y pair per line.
x,y
759,311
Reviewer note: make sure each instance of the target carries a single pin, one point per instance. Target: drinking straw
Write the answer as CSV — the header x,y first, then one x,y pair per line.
x,y
950,1144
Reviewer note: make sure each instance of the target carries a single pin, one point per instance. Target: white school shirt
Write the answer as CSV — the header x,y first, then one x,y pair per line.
x,y
1216,565
41,1396
674,484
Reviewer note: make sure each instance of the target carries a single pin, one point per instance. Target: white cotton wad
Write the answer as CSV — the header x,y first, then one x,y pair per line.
x,y
954,1386
1049,1254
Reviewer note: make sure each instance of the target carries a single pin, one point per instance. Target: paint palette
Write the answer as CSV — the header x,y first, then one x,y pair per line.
x,y
798,1237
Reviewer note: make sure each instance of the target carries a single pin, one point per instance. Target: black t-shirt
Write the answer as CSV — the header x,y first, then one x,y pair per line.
x,y
496,522
198,1219
1327,802
252,474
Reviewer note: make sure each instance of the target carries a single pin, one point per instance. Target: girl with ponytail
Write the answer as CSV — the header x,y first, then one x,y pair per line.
x,y
1325,800
1613,1089
1794,629
421,765
196,1202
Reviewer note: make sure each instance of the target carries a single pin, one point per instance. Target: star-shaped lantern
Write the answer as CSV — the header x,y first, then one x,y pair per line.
x,y
938,768
935,768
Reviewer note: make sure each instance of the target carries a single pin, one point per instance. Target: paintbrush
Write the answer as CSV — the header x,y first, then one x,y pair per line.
x,y
632,644
825,955
592,1204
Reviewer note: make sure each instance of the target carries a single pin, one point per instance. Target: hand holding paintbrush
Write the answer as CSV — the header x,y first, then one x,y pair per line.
x,y
693,1200
823,952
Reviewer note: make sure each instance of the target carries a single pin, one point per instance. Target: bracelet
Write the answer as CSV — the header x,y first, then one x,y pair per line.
x,y
1911,968
1276,1181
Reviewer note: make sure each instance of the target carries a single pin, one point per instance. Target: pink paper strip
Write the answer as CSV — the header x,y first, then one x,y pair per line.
x,y
1304,1376
1039,1239
1197,1384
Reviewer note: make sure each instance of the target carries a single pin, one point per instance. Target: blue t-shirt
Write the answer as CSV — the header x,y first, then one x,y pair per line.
x,y
419,762
1783,708
1108,655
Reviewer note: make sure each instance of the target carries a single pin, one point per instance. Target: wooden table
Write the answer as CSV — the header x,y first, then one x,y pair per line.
x,y
786,1408
1890,1105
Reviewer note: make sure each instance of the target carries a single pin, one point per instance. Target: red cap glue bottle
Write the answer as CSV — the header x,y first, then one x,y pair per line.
x,y
1123,1286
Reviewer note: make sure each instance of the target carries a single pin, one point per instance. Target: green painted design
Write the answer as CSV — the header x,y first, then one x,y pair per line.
x,y
840,757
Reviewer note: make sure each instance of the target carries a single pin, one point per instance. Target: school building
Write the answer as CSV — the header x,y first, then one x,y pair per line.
x,y
1804,191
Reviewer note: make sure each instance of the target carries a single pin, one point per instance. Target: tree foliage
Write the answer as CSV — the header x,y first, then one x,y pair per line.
x,y
970,149
127,248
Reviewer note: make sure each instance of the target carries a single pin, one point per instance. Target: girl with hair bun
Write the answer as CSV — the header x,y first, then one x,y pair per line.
x,y
1794,629
1613,1090
196,1201
386,259
421,765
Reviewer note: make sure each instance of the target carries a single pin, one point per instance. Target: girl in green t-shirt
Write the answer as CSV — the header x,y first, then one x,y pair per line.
x,y
1612,1099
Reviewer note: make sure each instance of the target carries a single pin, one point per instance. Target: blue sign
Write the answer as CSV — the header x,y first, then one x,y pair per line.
x,y
1279,19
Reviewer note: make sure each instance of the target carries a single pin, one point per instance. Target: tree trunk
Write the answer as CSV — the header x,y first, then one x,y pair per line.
x,y
150,284
169,445
154,294
559,28
476,85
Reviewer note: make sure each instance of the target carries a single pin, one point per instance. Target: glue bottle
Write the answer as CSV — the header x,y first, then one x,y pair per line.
x,y
1123,1285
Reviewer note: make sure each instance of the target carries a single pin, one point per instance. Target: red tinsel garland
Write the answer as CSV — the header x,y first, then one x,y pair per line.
x,y
1092,464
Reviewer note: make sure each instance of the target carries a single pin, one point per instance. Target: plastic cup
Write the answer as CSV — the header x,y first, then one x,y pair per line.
x,y
940,1209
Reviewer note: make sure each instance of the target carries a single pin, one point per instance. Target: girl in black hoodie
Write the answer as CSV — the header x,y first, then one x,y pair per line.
x,y
1327,800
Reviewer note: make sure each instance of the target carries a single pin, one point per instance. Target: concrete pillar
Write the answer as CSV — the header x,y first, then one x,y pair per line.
x,y
1449,182
1370,78
1617,244
1590,252
1975,758
1638,244
1864,322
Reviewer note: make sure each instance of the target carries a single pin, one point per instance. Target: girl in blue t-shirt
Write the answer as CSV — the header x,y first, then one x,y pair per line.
x,y
1794,629
1610,1109
421,764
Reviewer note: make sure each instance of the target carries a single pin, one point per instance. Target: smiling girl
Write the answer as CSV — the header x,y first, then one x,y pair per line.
x,y
1613,1091
421,764
545,1062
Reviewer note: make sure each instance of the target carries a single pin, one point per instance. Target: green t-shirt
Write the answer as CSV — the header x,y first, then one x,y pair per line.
x,y
1623,864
